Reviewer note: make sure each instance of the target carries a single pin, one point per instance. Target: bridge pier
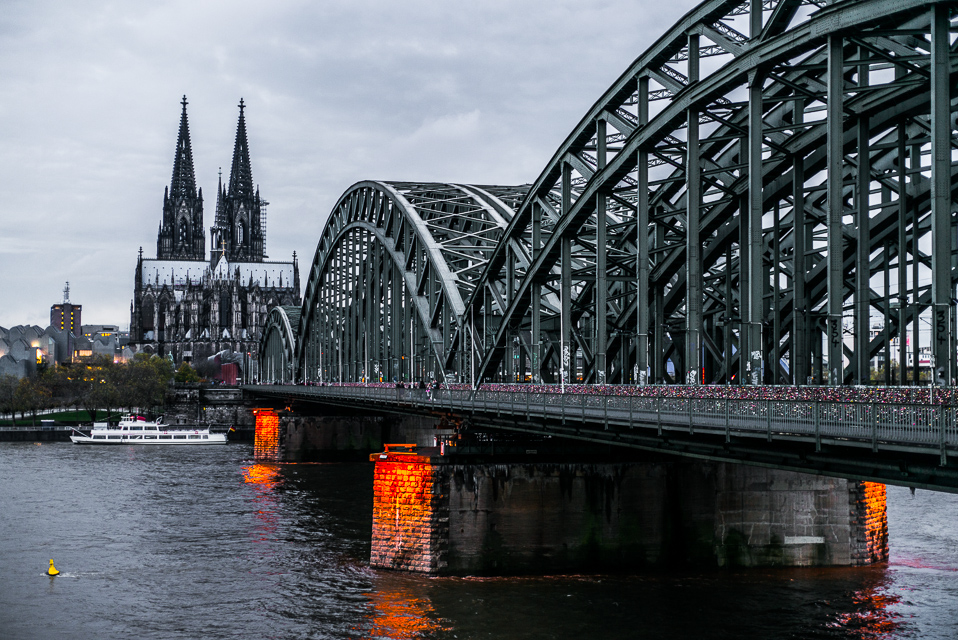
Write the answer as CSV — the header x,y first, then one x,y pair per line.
x,y
441,514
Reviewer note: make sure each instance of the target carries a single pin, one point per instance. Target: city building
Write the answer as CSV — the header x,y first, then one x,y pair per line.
x,y
189,306
66,316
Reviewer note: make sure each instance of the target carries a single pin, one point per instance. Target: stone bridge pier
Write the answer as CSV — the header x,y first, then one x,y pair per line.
x,y
468,508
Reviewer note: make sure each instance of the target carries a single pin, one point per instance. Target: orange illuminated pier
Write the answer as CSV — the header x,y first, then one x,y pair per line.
x,y
408,510
266,444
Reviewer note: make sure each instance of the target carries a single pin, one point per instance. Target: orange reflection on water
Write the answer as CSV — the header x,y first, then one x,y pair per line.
x,y
873,619
265,478
400,608
265,475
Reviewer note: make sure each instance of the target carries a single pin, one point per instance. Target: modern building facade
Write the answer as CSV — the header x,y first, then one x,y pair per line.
x,y
190,306
66,316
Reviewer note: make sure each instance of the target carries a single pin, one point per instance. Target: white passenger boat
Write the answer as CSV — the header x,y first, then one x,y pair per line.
x,y
138,430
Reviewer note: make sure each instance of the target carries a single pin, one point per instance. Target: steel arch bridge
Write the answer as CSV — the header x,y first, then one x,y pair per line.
x,y
278,344
762,186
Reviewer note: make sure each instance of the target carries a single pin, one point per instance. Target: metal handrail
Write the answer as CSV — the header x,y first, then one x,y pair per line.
x,y
925,426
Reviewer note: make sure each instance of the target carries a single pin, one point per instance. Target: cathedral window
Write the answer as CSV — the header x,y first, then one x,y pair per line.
x,y
147,316
240,233
184,236
225,309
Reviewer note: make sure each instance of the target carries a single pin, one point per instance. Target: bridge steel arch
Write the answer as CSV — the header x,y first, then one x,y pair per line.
x,y
386,289
277,347
758,188
764,182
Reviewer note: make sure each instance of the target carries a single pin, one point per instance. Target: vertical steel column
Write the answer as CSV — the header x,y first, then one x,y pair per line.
x,y
835,161
350,296
319,327
378,303
343,306
753,343
776,359
355,311
941,219
750,273
693,248
367,333
755,8
601,254
886,332
863,253
330,327
729,311
902,256
536,338
659,370
916,178
800,342
509,361
642,244
396,352
565,283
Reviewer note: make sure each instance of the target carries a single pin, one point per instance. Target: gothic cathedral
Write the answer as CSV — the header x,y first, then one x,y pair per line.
x,y
189,307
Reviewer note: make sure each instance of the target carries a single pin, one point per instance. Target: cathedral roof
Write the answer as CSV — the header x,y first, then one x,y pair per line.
x,y
241,174
173,272
184,178
179,273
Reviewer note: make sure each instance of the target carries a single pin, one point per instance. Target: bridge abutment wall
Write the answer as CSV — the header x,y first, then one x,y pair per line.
x,y
437,516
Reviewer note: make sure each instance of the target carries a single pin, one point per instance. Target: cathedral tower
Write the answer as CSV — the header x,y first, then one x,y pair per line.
x,y
240,212
181,235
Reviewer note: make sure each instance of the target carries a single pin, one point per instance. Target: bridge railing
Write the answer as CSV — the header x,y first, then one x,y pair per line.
x,y
875,424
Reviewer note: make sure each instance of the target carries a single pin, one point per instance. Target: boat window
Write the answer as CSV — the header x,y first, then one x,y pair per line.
x,y
149,437
99,437
194,437
165,437
179,437
205,437
138,428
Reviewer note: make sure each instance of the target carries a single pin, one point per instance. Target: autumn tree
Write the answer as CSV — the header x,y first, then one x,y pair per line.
x,y
186,374
8,387
31,396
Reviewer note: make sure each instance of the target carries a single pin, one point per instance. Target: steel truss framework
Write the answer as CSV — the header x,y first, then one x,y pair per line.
x,y
758,187
386,290
277,350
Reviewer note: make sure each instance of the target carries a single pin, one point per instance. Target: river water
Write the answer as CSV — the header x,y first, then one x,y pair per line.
x,y
203,543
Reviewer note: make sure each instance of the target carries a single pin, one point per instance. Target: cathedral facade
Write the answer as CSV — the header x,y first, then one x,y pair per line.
x,y
189,305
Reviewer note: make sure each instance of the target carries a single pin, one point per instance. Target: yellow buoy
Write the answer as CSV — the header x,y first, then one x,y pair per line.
x,y
52,571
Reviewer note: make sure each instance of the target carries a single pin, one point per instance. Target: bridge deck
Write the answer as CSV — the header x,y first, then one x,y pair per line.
x,y
913,443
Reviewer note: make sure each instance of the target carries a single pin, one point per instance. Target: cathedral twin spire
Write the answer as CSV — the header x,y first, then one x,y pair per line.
x,y
181,234
237,232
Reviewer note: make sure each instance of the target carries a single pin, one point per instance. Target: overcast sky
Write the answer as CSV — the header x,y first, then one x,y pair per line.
x,y
336,92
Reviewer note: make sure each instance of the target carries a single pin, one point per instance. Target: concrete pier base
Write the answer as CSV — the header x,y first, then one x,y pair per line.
x,y
435,515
